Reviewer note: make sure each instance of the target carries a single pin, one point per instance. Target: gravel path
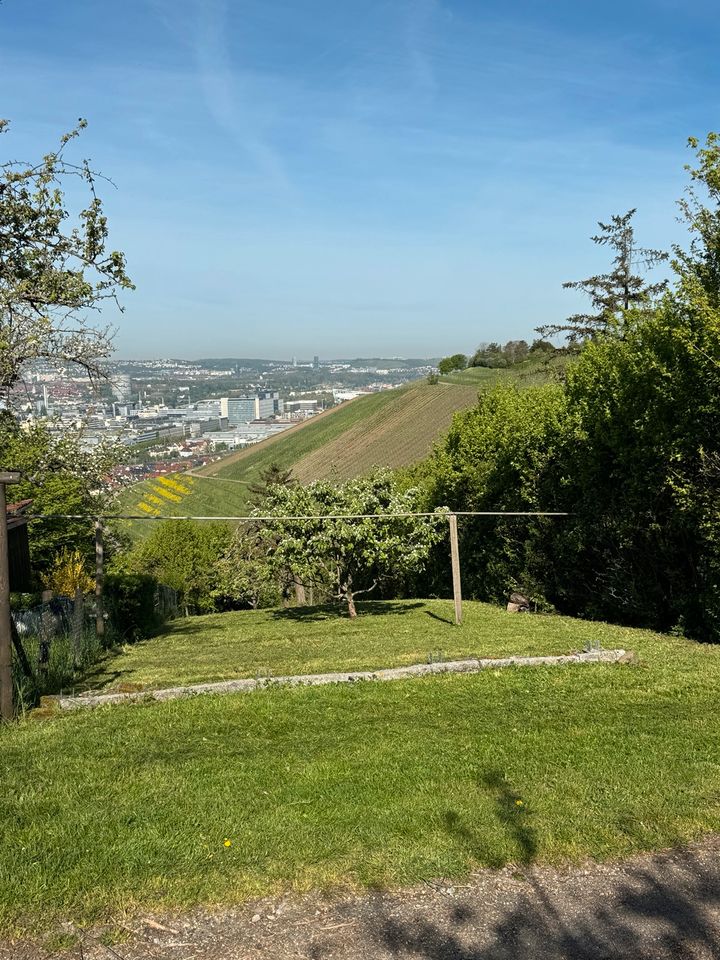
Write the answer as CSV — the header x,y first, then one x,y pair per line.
x,y
653,907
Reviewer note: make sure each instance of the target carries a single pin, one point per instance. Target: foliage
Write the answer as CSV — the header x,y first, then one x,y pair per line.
x,y
700,209
245,575
59,656
458,361
499,456
129,600
183,555
495,356
69,574
628,446
52,274
643,545
352,556
61,476
611,294
270,477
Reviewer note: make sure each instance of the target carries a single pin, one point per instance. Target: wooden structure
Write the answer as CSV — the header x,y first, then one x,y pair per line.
x,y
18,547
6,690
455,564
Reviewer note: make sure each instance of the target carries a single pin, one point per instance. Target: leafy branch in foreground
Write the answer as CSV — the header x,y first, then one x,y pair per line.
x,y
51,274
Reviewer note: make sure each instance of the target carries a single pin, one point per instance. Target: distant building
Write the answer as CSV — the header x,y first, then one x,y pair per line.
x,y
258,406
307,407
316,362
121,387
339,396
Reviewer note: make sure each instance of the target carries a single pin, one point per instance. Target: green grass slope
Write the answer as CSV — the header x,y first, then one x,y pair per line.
x,y
394,428
248,643
128,809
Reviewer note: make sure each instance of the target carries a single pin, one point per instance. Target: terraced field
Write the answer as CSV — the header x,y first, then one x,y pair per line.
x,y
399,432
394,428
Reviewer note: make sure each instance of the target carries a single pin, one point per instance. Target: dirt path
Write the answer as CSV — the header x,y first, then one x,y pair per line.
x,y
654,907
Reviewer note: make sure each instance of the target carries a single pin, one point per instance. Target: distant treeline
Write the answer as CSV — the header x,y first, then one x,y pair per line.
x,y
499,356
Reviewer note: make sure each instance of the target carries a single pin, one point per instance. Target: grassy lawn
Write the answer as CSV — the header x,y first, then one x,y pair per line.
x,y
131,807
316,640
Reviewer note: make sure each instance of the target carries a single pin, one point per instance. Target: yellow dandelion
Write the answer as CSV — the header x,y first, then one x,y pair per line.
x,y
518,803
227,843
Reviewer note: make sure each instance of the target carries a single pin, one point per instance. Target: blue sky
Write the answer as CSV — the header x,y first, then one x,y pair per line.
x,y
387,177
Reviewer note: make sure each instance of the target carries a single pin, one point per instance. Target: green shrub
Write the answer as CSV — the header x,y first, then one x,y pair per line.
x,y
183,554
130,602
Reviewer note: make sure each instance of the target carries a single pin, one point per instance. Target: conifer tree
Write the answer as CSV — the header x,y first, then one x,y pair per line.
x,y
611,294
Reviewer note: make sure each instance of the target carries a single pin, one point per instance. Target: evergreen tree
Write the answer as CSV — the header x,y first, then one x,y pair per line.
x,y
611,294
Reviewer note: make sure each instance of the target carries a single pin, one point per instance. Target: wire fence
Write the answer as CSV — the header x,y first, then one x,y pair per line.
x,y
57,642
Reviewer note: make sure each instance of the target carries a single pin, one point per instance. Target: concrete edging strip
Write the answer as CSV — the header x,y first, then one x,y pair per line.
x,y
319,679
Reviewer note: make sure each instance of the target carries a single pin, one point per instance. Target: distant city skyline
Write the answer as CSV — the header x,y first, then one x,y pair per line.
x,y
386,178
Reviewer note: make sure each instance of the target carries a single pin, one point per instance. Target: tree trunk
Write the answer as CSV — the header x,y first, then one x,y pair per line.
x,y
351,603
299,592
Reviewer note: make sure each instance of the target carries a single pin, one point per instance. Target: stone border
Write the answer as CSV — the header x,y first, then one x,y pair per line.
x,y
319,679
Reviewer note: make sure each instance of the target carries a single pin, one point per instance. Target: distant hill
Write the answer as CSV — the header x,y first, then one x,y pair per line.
x,y
394,428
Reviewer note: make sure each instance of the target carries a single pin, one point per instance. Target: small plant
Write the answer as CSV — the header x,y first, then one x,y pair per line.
x,y
68,575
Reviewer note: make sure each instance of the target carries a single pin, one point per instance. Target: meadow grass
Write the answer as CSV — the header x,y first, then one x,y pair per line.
x,y
300,640
219,798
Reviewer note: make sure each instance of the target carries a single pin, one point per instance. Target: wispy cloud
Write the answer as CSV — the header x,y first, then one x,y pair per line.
x,y
420,27
203,27
224,96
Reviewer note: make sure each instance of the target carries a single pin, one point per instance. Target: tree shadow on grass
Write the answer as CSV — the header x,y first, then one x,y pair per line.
x,y
366,608
436,616
514,818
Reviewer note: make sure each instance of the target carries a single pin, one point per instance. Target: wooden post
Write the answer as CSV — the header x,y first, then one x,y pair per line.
x,y
99,576
78,625
6,690
455,561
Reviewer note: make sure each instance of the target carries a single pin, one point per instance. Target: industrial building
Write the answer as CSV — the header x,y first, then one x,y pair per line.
x,y
244,409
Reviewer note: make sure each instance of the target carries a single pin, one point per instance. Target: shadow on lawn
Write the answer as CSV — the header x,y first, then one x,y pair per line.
x,y
664,907
513,815
366,608
436,616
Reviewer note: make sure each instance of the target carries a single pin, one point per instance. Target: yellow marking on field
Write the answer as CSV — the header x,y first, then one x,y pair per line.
x,y
148,509
152,499
173,485
162,492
